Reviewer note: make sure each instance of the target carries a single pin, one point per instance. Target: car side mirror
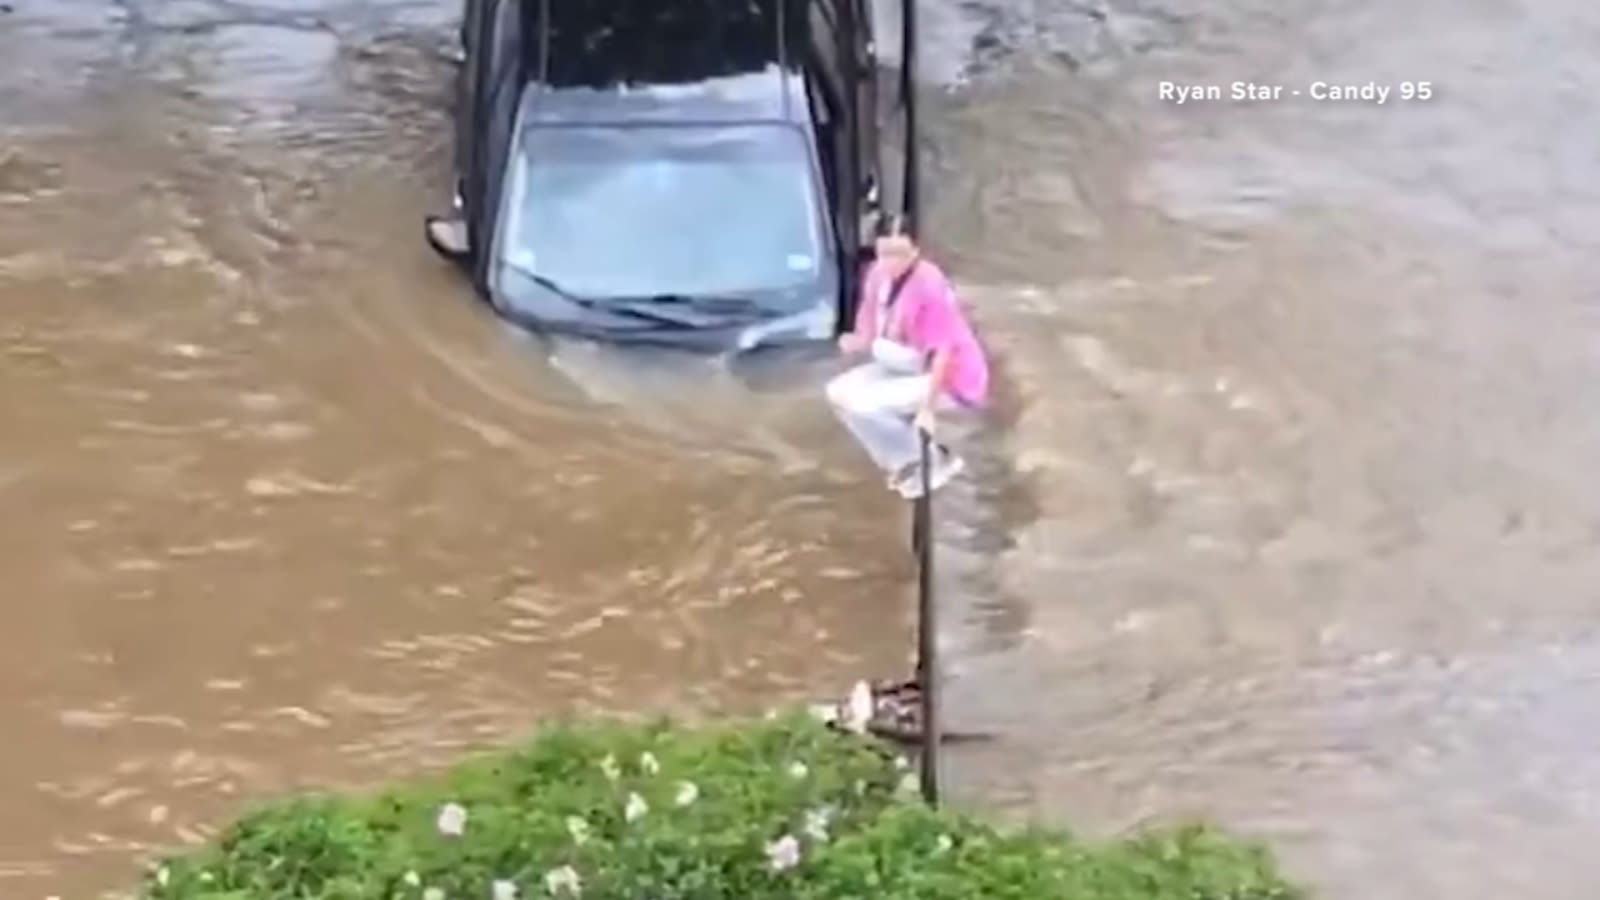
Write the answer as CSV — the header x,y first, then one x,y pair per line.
x,y
871,213
448,238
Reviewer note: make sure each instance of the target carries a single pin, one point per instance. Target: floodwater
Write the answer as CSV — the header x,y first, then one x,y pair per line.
x,y
1286,515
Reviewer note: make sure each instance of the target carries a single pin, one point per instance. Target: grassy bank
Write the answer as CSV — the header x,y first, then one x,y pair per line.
x,y
748,811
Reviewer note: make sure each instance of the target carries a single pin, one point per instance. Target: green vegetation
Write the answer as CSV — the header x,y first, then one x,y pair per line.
x,y
781,809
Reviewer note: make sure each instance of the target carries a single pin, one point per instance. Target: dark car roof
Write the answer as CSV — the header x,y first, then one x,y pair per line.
x,y
772,94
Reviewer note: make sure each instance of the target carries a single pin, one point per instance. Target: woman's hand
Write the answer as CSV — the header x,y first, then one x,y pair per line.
x,y
850,342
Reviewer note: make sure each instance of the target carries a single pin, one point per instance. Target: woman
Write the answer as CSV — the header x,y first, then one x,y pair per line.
x,y
924,358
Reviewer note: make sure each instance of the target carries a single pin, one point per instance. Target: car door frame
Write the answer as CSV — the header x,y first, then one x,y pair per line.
x,y
500,71
840,40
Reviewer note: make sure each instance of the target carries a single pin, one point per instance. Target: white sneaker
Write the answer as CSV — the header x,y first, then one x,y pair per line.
x,y
946,466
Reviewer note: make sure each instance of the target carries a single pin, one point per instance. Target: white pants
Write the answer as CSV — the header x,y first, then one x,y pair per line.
x,y
878,405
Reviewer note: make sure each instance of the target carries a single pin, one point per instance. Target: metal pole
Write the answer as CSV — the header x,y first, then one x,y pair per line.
x,y
927,632
922,515
910,198
848,46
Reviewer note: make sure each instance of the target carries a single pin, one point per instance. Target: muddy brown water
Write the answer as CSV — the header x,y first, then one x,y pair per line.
x,y
1286,515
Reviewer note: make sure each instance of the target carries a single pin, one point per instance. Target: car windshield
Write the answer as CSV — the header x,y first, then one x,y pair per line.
x,y
683,210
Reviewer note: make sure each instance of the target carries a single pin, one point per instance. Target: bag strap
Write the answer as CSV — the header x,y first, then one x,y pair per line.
x,y
898,284
895,287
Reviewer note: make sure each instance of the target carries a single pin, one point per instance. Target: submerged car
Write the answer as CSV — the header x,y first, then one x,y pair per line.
x,y
699,175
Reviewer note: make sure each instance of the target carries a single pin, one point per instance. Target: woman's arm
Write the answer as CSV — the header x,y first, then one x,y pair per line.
x,y
938,376
866,319
939,326
859,337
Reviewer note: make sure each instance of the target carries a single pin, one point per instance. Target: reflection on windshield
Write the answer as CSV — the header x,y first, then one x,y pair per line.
x,y
609,212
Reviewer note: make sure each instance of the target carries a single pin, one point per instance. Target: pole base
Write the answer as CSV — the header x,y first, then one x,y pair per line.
x,y
896,715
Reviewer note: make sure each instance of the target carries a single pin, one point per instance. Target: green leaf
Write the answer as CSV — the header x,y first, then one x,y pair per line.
x,y
879,846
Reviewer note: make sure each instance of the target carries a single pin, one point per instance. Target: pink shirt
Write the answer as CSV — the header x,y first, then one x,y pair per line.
x,y
927,317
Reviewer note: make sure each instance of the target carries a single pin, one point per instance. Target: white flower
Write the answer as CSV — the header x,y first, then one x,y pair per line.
x,y
635,808
771,715
207,877
578,828
798,769
687,793
452,819
610,767
163,876
859,709
563,879
504,890
910,784
412,879
783,853
433,893
944,844
901,763
817,820
648,763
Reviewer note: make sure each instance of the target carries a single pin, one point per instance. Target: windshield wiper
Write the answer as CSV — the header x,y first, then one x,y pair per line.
x,y
600,306
725,303
547,283
721,306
